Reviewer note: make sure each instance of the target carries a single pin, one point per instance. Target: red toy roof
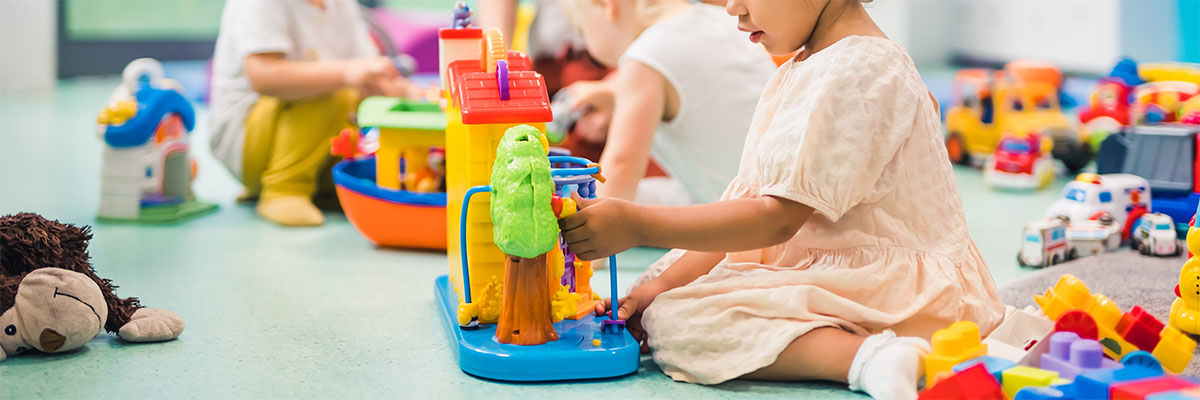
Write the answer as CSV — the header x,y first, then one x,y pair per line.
x,y
463,33
478,95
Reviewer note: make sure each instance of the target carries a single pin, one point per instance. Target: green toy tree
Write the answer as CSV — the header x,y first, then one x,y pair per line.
x,y
525,229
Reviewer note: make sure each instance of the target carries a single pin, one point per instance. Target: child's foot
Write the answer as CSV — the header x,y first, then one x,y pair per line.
x,y
290,211
887,367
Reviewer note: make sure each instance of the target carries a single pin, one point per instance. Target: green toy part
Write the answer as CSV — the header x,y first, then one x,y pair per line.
x,y
524,223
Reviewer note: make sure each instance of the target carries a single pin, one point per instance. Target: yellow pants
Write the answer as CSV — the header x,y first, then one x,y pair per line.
x,y
286,151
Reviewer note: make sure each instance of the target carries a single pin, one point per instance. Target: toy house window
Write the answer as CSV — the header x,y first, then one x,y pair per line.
x,y
1105,197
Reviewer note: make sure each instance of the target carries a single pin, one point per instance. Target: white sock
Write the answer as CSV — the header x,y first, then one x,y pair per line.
x,y
887,367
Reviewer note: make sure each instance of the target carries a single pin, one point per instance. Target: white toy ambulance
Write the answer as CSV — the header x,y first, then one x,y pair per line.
x,y
1044,243
1155,235
1091,196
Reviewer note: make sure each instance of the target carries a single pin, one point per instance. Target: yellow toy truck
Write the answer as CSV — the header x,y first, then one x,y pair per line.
x,y
989,105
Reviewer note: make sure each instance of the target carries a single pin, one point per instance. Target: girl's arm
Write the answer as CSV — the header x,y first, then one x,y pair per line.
x,y
272,75
604,227
500,14
640,101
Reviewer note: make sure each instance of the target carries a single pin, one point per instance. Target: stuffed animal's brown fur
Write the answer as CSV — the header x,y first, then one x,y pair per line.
x,y
28,242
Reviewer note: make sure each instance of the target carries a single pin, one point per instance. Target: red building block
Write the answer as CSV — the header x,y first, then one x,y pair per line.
x,y
972,383
1139,389
1140,328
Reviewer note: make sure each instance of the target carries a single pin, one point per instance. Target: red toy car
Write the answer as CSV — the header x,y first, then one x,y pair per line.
x,y
1020,163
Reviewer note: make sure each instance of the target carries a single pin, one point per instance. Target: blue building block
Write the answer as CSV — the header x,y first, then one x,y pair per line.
x,y
994,365
1041,393
1094,384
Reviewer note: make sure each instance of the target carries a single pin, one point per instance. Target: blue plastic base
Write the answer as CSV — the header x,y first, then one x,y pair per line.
x,y
1179,207
572,356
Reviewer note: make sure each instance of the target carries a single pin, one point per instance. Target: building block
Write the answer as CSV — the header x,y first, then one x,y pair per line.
x,y
951,346
1176,395
1139,389
1017,334
994,365
1069,355
1067,294
972,383
1140,328
1040,393
1095,384
1174,350
1022,376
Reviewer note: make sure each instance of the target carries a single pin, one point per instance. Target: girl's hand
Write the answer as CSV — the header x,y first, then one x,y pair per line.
x,y
596,96
631,308
601,228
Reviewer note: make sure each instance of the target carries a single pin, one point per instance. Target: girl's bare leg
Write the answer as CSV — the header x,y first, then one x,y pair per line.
x,y
821,354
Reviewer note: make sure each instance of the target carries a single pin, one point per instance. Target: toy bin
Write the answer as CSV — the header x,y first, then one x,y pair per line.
x,y
386,217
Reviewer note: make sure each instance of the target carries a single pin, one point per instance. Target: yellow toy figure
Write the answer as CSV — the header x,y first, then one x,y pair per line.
x,y
1185,311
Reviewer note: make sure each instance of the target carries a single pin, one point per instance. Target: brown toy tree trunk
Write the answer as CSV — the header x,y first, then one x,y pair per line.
x,y
525,313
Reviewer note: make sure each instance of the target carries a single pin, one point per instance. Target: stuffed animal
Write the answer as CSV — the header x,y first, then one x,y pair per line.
x,y
51,299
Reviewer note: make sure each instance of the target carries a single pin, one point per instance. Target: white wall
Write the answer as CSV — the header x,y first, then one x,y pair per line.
x,y
27,45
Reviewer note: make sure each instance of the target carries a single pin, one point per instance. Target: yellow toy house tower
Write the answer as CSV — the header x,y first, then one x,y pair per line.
x,y
477,114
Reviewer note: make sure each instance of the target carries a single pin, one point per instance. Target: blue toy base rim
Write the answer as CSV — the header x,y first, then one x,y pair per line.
x,y
572,357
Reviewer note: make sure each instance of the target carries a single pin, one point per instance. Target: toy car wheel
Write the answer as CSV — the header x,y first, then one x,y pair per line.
x,y
1142,359
956,149
1178,249
1022,263
1072,255
1055,260
1074,154
1079,322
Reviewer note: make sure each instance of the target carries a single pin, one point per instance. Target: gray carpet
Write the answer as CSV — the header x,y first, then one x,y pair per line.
x,y
1126,277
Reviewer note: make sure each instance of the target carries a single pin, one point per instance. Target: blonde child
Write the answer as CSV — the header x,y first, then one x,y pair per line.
x,y
684,91
287,76
841,245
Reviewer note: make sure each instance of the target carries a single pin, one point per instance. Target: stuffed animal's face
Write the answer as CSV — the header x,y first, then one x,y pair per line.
x,y
56,310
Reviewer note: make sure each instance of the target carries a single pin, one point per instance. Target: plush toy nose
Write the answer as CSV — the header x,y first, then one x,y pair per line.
x,y
51,340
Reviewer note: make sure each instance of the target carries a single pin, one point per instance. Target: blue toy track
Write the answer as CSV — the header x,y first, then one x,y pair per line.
x,y
574,355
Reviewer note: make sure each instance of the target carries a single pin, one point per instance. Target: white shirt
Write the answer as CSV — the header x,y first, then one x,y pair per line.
x,y
296,28
718,74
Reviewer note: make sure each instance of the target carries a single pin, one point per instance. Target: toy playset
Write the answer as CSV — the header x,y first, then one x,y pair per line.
x,y
147,172
517,303
1147,94
1076,360
1019,101
392,182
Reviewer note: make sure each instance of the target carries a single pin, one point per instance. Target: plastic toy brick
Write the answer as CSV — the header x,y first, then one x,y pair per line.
x,y
1095,384
1069,355
1140,329
1176,395
1022,376
1067,294
1040,393
462,33
971,383
994,365
1139,389
1174,350
952,346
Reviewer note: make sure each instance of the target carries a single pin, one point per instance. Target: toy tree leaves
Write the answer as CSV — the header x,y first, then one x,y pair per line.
x,y
524,223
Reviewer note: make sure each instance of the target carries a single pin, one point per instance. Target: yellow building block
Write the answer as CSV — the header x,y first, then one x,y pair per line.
x,y
1018,377
951,346
1174,350
1068,293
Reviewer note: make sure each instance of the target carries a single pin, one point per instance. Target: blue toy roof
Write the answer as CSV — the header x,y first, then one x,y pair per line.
x,y
153,105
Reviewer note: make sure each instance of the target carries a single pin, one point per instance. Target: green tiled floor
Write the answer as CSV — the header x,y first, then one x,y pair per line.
x,y
275,312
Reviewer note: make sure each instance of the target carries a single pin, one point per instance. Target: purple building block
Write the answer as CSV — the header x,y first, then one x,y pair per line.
x,y
1070,355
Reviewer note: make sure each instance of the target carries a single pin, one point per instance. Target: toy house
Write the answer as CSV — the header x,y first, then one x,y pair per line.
x,y
147,172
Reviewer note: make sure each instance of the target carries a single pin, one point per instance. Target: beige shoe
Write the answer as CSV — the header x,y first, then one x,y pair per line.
x,y
290,211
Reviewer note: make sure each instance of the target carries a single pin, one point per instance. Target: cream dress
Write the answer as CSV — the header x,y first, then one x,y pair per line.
x,y
852,133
